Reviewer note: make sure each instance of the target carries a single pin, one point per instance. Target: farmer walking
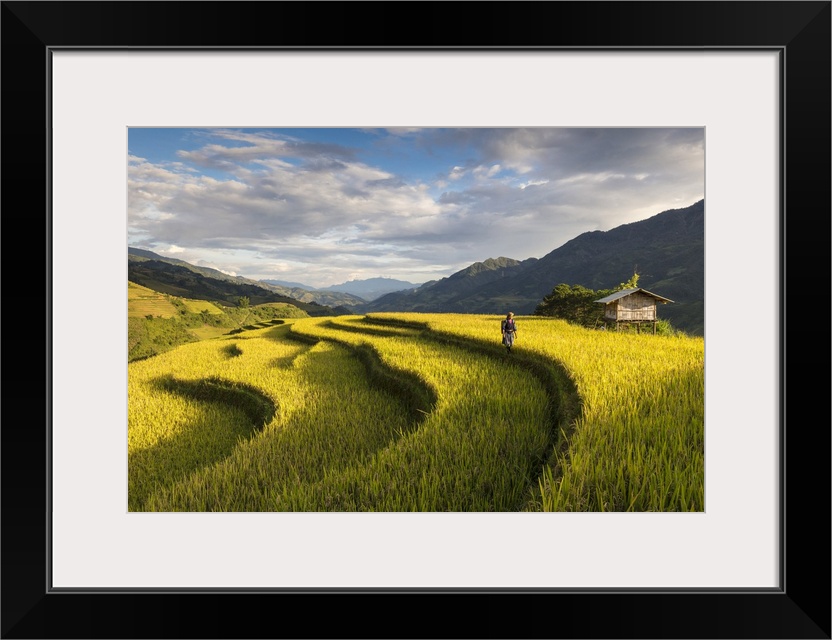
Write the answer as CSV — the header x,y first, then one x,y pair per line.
x,y
509,329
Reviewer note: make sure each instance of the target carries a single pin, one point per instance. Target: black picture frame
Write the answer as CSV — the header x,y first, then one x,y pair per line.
x,y
799,31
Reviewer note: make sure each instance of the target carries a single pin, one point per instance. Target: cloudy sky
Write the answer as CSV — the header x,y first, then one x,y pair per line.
x,y
324,206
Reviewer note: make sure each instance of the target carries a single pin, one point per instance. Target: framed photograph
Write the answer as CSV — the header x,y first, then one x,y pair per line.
x,y
755,76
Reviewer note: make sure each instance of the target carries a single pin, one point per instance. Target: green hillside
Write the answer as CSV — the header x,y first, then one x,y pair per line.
x,y
227,284
158,321
188,282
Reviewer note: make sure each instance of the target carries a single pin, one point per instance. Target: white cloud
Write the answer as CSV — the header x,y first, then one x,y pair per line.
x,y
456,173
533,183
278,202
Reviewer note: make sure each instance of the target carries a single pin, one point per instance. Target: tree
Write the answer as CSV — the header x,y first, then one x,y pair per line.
x,y
577,304
632,283
242,302
573,303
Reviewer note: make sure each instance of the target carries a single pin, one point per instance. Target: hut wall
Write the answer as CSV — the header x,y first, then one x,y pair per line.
x,y
634,308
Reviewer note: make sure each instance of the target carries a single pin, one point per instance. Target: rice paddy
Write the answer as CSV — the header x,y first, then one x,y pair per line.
x,y
396,412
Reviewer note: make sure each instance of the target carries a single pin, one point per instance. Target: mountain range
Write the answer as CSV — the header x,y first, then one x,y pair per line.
x,y
180,278
367,290
667,250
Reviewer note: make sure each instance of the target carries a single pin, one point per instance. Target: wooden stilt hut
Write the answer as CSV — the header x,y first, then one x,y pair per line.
x,y
632,306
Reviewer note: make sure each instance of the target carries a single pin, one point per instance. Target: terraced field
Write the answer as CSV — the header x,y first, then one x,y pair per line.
x,y
146,302
418,412
142,302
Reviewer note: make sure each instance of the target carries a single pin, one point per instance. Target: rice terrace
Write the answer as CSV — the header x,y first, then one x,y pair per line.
x,y
419,412
360,364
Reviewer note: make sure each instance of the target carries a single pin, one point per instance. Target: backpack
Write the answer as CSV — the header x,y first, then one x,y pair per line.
x,y
508,325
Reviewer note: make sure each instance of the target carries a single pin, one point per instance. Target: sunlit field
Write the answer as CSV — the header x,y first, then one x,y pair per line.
x,y
419,412
638,443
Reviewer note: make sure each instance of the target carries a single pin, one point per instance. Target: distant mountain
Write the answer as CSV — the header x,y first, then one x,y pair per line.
x,y
452,294
325,299
318,296
667,250
179,278
349,294
290,285
140,255
371,288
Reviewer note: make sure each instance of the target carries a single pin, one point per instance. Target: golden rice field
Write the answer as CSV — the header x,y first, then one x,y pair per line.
x,y
142,302
419,412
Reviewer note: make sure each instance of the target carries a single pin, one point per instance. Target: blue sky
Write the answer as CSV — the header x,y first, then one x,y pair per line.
x,y
323,206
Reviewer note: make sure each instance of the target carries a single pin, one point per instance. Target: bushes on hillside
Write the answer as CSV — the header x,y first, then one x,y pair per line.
x,y
149,336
